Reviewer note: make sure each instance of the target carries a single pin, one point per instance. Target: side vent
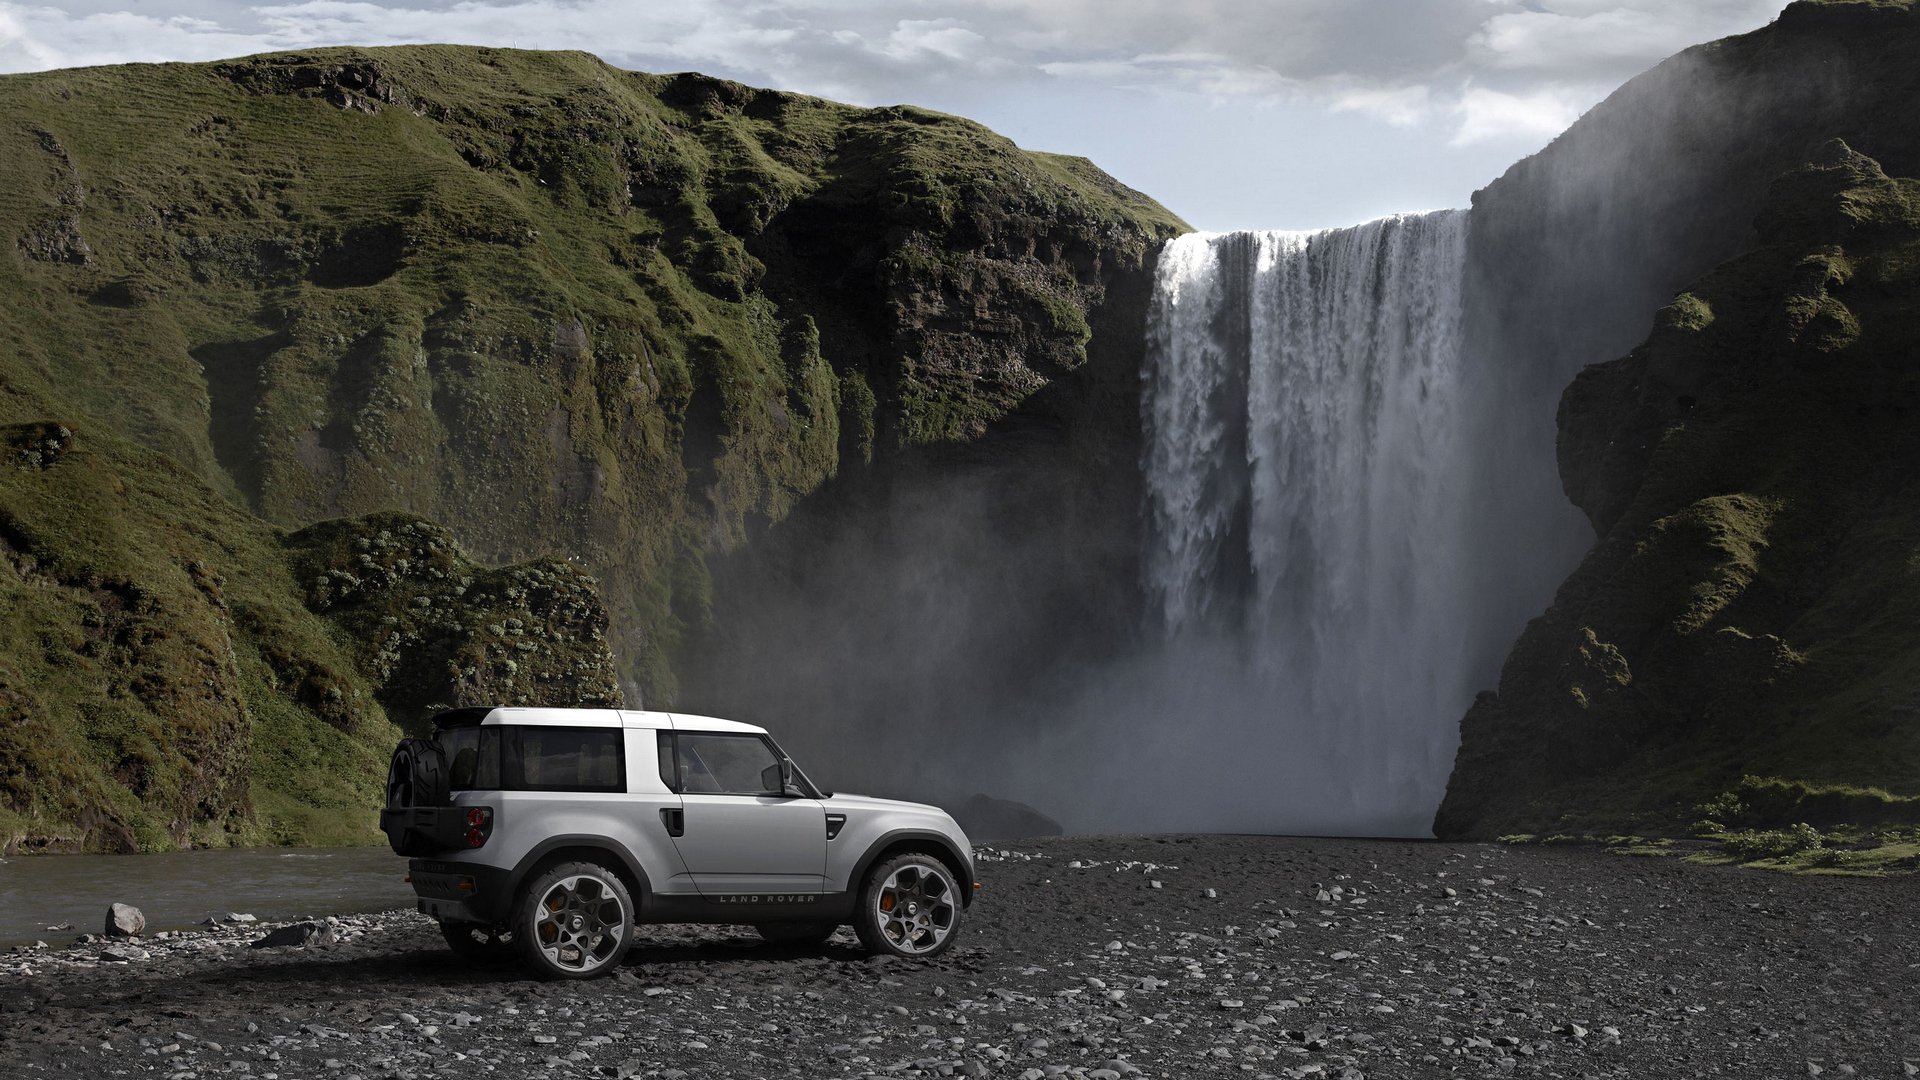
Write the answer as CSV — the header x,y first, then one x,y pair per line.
x,y
835,822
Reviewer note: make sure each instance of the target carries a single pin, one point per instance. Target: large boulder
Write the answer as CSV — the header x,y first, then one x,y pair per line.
x,y
124,920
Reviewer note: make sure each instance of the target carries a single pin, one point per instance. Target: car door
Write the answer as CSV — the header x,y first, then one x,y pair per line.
x,y
739,836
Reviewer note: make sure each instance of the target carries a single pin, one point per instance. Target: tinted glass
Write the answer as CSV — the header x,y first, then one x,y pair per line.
x,y
473,757
562,759
666,762
726,765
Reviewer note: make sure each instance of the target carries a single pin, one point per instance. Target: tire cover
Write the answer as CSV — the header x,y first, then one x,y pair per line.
x,y
417,776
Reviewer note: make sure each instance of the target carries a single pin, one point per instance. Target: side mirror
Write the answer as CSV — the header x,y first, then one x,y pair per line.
x,y
779,778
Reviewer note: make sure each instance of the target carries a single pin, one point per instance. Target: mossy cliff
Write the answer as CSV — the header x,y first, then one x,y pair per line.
x,y
1753,603
1573,249
555,307
1572,253
178,672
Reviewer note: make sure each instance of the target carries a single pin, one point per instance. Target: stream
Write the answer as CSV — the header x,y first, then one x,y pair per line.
x,y
177,889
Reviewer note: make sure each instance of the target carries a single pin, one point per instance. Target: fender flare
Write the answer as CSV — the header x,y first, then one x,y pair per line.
x,y
644,887
888,839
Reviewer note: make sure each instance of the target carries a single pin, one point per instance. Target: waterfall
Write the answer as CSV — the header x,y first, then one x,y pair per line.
x,y
1307,536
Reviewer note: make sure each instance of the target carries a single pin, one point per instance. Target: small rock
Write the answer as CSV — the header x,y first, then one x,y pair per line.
x,y
297,935
124,920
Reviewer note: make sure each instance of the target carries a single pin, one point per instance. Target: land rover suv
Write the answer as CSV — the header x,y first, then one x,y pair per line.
x,y
553,833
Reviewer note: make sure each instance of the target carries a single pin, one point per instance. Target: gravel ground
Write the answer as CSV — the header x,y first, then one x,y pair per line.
x,y
1100,957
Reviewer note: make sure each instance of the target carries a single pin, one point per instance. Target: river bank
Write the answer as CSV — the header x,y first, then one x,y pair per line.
x,y
179,889
1170,956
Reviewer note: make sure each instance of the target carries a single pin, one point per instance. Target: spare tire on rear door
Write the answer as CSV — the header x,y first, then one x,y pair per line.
x,y
417,776
416,779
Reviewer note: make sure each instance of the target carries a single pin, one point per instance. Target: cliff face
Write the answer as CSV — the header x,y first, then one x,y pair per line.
x,y
552,306
1751,605
1573,252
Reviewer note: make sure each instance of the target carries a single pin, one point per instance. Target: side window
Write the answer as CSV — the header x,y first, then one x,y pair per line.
x,y
727,765
562,759
667,776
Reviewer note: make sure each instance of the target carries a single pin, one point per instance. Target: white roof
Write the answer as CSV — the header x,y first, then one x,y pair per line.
x,y
603,718
690,722
554,717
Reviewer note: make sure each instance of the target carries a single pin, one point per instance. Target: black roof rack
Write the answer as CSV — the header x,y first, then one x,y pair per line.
x,y
472,714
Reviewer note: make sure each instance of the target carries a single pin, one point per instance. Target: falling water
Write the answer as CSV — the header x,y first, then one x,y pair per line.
x,y
1305,470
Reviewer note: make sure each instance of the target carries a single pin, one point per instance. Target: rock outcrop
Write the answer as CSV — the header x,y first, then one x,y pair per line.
x,y
1751,606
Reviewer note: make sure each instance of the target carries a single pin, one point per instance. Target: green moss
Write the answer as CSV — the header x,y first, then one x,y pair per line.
x,y
1755,575
1687,312
552,304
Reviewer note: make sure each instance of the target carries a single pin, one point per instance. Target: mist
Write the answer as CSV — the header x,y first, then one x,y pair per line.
x,y
1284,637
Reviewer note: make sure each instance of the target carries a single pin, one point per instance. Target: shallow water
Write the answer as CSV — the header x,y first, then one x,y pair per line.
x,y
177,889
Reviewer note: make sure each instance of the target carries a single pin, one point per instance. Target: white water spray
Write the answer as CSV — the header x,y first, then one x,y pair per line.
x,y
1306,500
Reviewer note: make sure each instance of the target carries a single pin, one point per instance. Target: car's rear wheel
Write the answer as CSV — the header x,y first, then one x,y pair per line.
x,y
910,906
476,942
797,933
573,921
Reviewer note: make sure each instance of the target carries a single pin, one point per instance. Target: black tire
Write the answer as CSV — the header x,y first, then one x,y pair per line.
x,y
911,906
472,941
417,775
572,921
797,933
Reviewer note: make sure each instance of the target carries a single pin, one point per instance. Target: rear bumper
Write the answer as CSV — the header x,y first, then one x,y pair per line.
x,y
422,830
462,892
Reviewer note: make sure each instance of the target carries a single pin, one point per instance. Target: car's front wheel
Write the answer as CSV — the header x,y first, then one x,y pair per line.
x,y
910,906
573,921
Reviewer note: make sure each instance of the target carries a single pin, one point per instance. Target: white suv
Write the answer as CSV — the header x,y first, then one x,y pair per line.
x,y
554,832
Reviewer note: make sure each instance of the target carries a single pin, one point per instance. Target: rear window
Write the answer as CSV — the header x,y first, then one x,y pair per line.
x,y
534,758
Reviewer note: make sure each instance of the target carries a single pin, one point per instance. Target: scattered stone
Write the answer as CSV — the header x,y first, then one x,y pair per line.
x,y
297,935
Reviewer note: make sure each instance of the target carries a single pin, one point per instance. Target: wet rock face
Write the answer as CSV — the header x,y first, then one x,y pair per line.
x,y
1747,609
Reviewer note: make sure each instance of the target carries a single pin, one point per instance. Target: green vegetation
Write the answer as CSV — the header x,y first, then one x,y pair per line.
x,y
1737,655
554,305
558,308
179,672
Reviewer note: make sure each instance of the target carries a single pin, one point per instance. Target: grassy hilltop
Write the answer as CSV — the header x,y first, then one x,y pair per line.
x,y
551,306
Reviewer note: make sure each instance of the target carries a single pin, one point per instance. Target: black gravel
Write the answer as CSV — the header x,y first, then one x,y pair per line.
x,y
1099,957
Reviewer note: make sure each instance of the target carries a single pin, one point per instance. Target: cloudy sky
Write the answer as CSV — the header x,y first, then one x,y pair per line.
x,y
1234,113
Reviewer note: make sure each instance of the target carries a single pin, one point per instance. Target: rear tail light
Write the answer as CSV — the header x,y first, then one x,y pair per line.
x,y
479,825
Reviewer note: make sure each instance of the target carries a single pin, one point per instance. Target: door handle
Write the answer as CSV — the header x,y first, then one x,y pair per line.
x,y
675,820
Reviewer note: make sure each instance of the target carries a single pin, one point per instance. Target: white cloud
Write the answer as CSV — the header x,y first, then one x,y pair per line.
x,y
1487,115
1495,69
1399,106
1614,39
